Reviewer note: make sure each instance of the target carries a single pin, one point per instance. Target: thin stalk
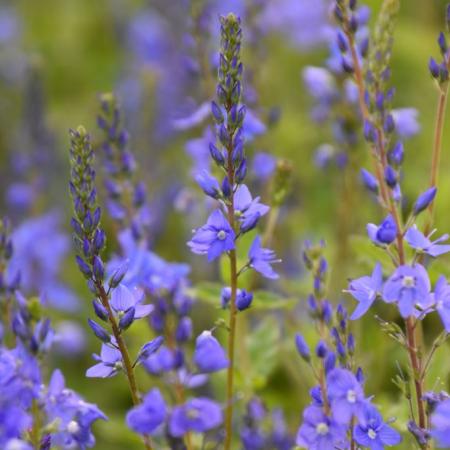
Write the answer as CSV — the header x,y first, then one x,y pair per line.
x,y
128,365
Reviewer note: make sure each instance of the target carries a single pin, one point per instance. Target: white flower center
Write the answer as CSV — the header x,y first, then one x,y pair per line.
x,y
73,427
192,413
371,433
221,235
351,396
118,365
408,281
322,428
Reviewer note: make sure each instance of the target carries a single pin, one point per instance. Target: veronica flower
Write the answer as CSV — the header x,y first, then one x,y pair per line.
x,y
320,83
406,123
346,395
260,259
372,432
320,432
441,300
148,416
365,290
440,424
213,238
123,300
245,207
263,165
209,355
383,234
417,240
198,415
408,286
164,360
110,363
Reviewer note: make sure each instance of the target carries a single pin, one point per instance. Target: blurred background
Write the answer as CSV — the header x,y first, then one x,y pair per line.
x,y
58,56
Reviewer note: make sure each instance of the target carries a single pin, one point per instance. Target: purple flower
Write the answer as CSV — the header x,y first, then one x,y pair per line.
x,y
406,123
408,286
213,238
245,207
320,83
110,363
148,416
441,300
365,290
208,183
123,300
424,200
346,395
320,432
422,244
385,233
198,415
372,432
260,259
243,298
263,166
440,424
209,355
164,360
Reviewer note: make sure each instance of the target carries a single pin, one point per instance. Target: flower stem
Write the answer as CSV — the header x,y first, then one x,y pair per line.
x,y
125,355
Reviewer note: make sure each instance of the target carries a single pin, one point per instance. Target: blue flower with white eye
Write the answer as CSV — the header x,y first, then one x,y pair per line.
x,y
198,415
422,244
408,286
147,417
124,300
365,290
372,432
213,238
440,299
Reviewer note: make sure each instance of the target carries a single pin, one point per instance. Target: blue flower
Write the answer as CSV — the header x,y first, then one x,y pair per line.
x,y
260,259
123,300
148,416
408,286
243,298
209,355
424,200
198,415
320,83
208,183
346,395
365,290
372,432
245,207
164,360
213,238
73,416
385,233
422,244
263,165
110,363
440,424
320,432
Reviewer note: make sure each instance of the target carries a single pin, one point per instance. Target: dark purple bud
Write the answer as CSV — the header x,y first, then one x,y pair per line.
x,y
321,349
76,227
241,115
43,330
329,362
443,73
352,4
238,152
84,267
327,311
353,23
346,64
96,217
360,375
364,47
150,347
226,188
339,16
389,124
224,136
369,181
99,331
340,349
217,113
302,347
127,319
184,329
99,240
221,94
98,268
100,311
390,176
369,131
123,138
442,42
379,101
244,300
20,328
118,276
351,344
216,155
88,223
424,200
87,248
128,162
241,172
236,92
341,41
421,435
433,67
396,155
139,194
46,442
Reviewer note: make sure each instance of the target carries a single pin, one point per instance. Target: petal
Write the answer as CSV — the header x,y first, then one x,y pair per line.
x,y
142,311
100,370
122,298
242,198
389,436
